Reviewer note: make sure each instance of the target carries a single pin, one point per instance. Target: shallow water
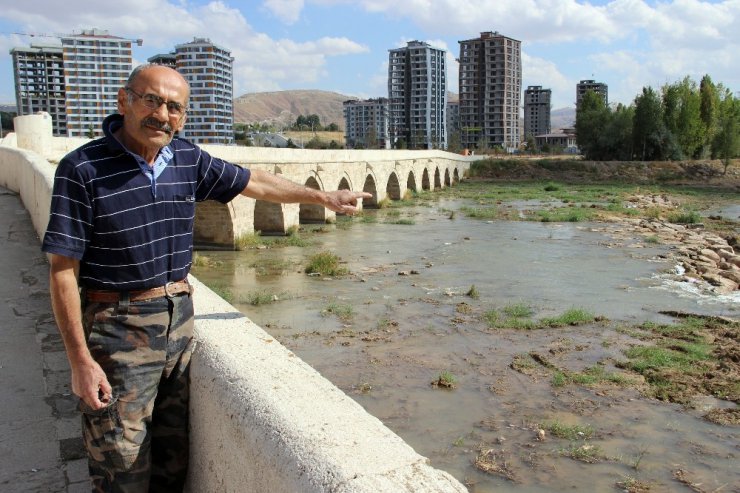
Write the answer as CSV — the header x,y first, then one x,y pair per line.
x,y
403,330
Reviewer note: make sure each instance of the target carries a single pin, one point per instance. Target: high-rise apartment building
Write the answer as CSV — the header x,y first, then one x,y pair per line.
x,y
39,83
76,83
208,68
589,85
536,111
96,65
366,123
417,96
490,91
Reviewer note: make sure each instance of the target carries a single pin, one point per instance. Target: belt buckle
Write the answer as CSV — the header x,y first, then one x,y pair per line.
x,y
166,290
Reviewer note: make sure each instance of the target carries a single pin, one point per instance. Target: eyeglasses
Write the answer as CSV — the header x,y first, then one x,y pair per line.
x,y
153,102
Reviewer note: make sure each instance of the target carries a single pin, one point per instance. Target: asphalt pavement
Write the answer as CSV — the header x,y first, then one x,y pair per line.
x,y
40,439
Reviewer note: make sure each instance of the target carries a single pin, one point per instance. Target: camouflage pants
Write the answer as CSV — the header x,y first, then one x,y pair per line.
x,y
139,442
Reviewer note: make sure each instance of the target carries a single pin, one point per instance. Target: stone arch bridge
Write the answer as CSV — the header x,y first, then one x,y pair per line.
x,y
386,175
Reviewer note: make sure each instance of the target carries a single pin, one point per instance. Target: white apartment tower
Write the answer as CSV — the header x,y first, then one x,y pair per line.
x,y
39,83
490,91
96,65
537,111
208,68
417,96
76,83
366,123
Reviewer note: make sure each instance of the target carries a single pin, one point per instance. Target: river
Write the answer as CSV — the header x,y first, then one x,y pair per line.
x,y
403,317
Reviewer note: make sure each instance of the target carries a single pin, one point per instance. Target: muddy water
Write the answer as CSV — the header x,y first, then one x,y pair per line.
x,y
384,333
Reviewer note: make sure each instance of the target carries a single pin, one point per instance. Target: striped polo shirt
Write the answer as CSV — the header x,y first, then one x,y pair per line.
x,y
132,228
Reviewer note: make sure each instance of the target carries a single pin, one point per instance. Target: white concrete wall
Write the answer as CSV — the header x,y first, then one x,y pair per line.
x,y
262,419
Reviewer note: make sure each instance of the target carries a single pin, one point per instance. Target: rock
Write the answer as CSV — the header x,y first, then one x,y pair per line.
x,y
711,254
732,275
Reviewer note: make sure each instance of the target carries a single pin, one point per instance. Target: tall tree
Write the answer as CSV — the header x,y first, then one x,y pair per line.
x,y
709,102
592,116
726,143
690,132
651,138
616,140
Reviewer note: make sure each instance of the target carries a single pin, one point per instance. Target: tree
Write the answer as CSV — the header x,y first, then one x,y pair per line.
x,y
615,142
651,138
709,97
592,116
726,144
332,127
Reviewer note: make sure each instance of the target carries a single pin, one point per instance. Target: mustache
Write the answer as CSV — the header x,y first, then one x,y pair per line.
x,y
154,123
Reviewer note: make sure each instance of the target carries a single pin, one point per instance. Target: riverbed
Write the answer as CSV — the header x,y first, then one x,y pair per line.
x,y
413,308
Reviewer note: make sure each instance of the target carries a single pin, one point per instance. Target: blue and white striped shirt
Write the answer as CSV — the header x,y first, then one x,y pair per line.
x,y
132,228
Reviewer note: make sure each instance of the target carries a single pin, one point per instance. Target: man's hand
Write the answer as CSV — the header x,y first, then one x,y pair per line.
x,y
344,201
90,384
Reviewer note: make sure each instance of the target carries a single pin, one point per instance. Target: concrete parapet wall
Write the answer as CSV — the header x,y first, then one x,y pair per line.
x,y
262,419
266,421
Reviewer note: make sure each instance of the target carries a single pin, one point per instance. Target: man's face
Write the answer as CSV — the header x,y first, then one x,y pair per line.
x,y
146,130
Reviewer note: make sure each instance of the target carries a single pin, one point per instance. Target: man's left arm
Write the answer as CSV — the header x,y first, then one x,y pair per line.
x,y
263,185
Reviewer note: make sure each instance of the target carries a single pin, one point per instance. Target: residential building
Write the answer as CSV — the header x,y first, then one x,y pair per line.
x,y
96,66
39,83
537,111
453,117
166,59
208,68
417,96
76,83
490,91
589,85
564,140
366,124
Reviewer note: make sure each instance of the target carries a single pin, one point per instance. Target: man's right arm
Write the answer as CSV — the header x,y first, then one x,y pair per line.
x,y
88,379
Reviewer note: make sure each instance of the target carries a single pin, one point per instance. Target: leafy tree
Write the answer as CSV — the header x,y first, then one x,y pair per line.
x,y
726,144
454,143
651,138
332,127
709,96
592,116
90,132
615,142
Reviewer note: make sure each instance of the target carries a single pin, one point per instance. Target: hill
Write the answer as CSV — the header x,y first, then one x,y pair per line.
x,y
563,118
283,107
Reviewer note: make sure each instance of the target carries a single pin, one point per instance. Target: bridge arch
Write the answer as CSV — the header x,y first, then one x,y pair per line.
x,y
269,218
312,213
447,177
214,224
425,185
411,182
437,180
371,188
455,176
393,188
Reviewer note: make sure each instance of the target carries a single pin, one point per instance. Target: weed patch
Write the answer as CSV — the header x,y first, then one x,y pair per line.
x,y
325,264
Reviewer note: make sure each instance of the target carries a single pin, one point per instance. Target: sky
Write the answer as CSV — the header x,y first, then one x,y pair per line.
x,y
342,45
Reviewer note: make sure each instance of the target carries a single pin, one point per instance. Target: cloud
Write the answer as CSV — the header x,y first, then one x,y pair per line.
x,y
540,72
288,11
260,61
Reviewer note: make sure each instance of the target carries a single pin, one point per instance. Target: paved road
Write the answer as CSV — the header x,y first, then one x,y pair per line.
x,y
40,445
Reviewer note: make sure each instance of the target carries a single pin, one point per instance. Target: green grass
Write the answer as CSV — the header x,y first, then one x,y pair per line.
x,y
518,310
402,221
473,292
573,316
257,298
684,217
569,432
480,212
564,214
326,264
343,312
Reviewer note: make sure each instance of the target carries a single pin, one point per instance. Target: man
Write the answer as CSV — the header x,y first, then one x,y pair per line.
x,y
120,241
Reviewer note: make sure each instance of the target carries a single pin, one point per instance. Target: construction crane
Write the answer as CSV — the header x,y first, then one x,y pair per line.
x,y
92,32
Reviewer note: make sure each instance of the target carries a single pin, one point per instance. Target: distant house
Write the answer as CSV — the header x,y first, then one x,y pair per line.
x,y
263,139
564,139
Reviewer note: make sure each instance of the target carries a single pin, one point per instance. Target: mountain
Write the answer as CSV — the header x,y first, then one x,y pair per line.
x,y
283,107
562,118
